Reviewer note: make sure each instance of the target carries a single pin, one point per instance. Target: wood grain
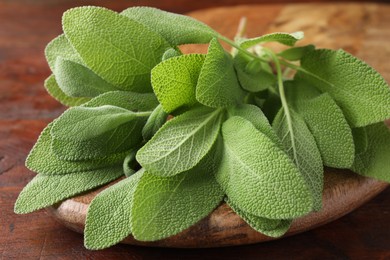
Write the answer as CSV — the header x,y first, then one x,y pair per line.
x,y
26,26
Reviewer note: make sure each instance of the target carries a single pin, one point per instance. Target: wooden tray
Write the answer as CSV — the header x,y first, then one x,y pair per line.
x,y
344,191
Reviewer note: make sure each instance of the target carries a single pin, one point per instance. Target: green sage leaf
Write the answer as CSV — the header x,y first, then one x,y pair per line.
x,y
44,191
296,53
154,122
284,38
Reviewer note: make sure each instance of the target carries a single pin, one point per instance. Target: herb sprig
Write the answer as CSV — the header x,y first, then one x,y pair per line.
x,y
123,74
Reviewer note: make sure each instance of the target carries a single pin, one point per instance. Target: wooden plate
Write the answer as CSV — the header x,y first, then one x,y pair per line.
x,y
344,191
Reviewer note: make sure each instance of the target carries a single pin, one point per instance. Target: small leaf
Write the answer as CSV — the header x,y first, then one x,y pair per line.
x,y
296,53
170,53
118,49
174,81
175,28
301,146
269,227
259,177
181,142
83,123
330,129
284,38
41,159
76,80
163,207
374,161
44,191
358,89
217,84
154,122
61,47
55,91
109,214
130,163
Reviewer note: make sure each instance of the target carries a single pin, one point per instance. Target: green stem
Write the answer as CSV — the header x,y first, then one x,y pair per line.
x,y
143,114
238,47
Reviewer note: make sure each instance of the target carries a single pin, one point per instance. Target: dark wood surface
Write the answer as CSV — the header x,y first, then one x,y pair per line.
x,y
27,26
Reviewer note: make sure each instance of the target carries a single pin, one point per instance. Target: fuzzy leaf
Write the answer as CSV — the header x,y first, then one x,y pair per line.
x,y
55,91
175,28
358,89
76,80
83,123
269,227
181,142
44,191
258,176
154,122
163,207
284,38
301,146
118,49
374,161
217,84
109,214
41,159
330,129
61,47
174,81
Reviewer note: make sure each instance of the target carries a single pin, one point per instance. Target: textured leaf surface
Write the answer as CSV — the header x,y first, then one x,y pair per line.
x,y
259,177
41,159
330,129
76,80
269,227
296,53
43,191
154,122
374,161
284,38
174,81
83,123
181,142
217,84
55,91
358,89
109,214
163,207
125,99
301,146
119,50
175,28
61,47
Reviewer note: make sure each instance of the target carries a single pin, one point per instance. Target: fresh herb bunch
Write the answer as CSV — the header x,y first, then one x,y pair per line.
x,y
123,75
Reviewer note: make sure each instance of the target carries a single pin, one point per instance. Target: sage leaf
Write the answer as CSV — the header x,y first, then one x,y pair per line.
x,y
170,53
116,48
217,84
358,89
284,38
254,115
43,191
83,123
109,214
130,163
374,160
154,122
55,91
181,142
163,207
258,176
330,129
174,81
61,47
175,28
301,146
269,227
41,159
76,80
125,99
252,76
296,53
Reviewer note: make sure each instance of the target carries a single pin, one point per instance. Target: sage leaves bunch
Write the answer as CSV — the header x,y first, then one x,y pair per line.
x,y
183,133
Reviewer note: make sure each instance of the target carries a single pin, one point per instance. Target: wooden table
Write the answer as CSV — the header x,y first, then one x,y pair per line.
x,y
25,108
